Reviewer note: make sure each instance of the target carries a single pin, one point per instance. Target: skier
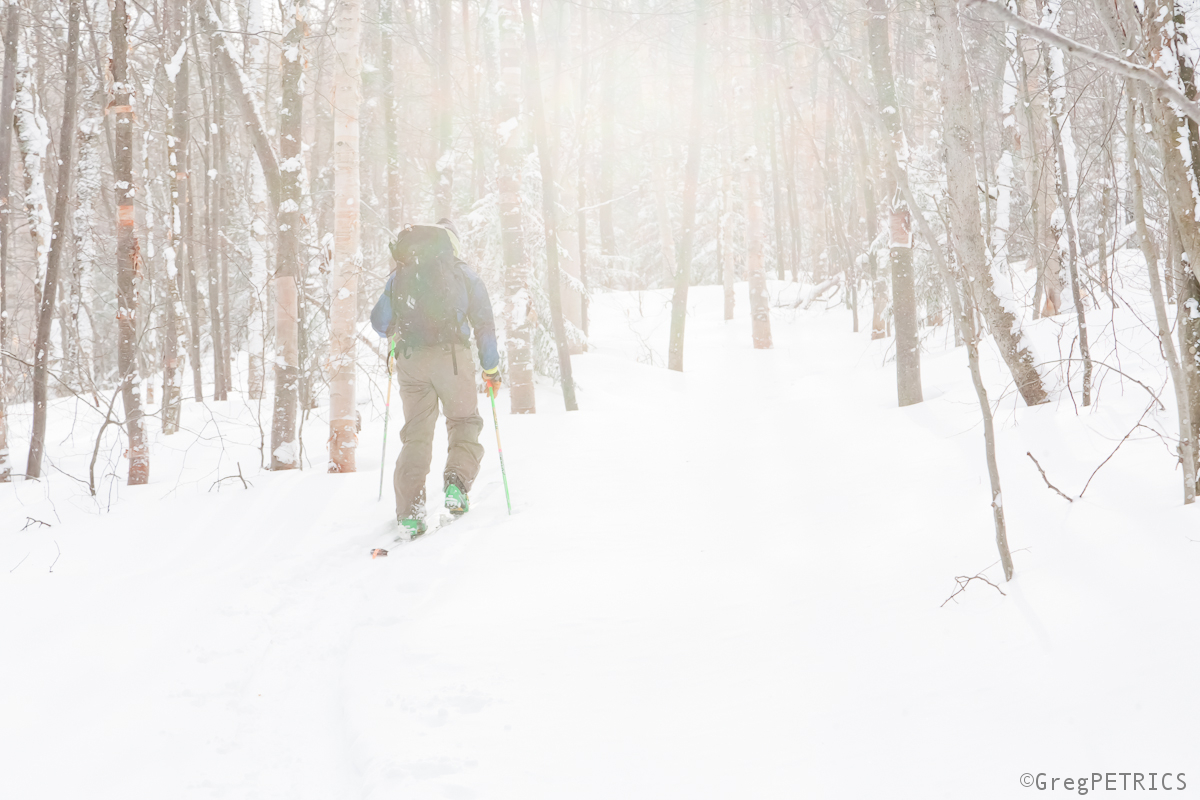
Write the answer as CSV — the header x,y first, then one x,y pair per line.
x,y
429,305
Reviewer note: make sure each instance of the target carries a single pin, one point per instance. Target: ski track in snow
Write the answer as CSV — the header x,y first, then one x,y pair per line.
x,y
716,584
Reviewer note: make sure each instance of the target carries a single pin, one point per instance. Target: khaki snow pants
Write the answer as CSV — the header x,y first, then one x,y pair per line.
x,y
426,376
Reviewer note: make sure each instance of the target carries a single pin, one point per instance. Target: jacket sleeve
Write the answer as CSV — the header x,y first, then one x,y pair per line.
x,y
381,314
479,312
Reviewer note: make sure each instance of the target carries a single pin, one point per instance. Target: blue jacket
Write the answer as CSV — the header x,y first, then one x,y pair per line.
x,y
478,314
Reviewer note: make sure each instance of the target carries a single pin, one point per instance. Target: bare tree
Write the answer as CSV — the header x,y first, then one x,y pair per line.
x,y
904,299
7,90
683,270
129,260
285,449
58,236
347,254
549,214
518,278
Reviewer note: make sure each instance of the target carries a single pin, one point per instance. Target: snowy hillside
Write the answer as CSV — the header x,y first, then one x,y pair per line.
x,y
726,583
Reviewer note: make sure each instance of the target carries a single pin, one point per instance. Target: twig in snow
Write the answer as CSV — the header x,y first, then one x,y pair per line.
x,y
59,549
30,520
1047,480
22,561
963,580
245,483
1118,447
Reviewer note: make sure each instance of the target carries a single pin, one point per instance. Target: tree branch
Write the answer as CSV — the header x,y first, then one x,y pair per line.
x,y
1047,480
1118,66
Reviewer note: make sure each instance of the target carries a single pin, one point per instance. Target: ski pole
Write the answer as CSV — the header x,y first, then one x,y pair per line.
x,y
500,449
386,410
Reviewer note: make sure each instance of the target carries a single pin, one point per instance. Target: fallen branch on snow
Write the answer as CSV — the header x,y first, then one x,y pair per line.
x,y
245,484
805,300
1047,480
963,580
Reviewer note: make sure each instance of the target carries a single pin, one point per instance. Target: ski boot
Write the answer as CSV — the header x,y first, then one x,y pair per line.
x,y
457,502
413,525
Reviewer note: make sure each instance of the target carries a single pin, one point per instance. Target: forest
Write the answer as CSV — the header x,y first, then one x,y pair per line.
x,y
786,250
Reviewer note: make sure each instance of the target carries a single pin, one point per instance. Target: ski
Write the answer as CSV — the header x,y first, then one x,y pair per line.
x,y
444,520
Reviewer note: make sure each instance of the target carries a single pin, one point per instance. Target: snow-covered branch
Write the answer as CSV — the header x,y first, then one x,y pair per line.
x,y
1118,66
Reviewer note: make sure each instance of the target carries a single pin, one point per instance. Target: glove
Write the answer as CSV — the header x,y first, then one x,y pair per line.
x,y
491,378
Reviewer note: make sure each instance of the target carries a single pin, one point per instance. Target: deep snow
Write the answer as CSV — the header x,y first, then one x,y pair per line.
x,y
726,583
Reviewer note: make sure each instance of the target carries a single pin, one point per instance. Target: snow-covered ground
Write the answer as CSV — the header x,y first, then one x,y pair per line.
x,y
727,583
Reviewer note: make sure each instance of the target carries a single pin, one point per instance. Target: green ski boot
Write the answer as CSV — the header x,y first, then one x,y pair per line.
x,y
456,500
411,528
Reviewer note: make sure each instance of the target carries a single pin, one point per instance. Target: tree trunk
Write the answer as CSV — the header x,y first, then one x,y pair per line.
x,y
904,300
581,181
443,110
725,230
391,148
683,271
7,90
1183,408
79,352
33,139
608,138
58,236
182,128
760,304
966,227
766,108
256,44
212,226
347,256
1038,160
285,449
545,159
518,280
1064,152
174,344
128,255
666,239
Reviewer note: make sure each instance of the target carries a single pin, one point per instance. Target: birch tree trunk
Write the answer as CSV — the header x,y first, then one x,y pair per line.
x,y
128,254
58,236
212,225
256,45
347,255
1039,159
904,300
173,341
998,306
760,305
33,141
683,270
285,449
7,91
518,300
182,130
80,354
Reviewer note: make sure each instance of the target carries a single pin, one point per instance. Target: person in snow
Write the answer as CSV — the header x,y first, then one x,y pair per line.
x,y
429,306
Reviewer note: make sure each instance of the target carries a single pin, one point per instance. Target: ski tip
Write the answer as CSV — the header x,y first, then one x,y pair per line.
x,y
378,552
